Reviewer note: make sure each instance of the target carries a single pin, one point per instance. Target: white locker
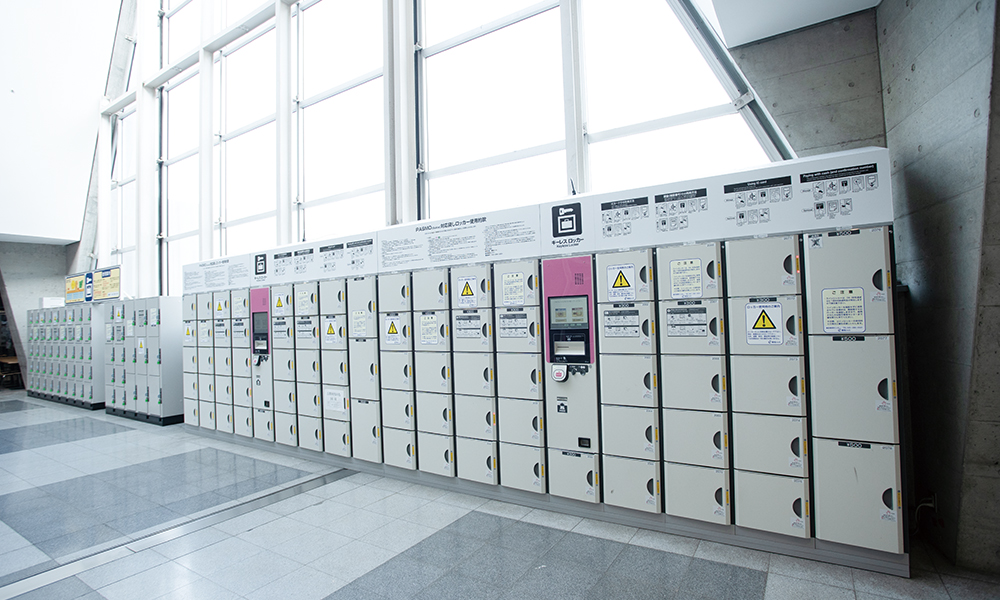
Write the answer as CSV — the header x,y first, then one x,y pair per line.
x,y
242,362
519,375
394,292
396,370
398,409
223,361
333,330
311,433
849,281
432,372
396,331
476,417
190,383
774,385
471,286
632,483
307,332
627,327
363,367
336,402
189,307
263,386
282,300
433,331
700,493
190,333
631,432
771,444
400,448
190,408
284,364
204,334
858,497
141,355
306,298
190,359
283,332
853,386
435,413
223,390
206,387
241,333
772,503
222,310
337,437
763,266
692,327
689,271
307,366
477,460
333,297
206,414
436,453
309,400
361,307
285,396
519,329
334,367
243,391
205,307
574,475
240,303
474,373
517,283
696,438
766,325
224,418
521,421
286,430
522,467
366,430
472,330
625,276
629,379
430,289
694,382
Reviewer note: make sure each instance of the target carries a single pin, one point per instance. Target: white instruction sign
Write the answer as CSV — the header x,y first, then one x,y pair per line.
x,y
467,296
622,322
687,321
468,325
685,278
334,399
359,323
844,310
513,324
764,323
429,329
621,283
512,289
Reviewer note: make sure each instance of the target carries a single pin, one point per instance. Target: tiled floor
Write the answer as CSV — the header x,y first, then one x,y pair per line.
x,y
178,515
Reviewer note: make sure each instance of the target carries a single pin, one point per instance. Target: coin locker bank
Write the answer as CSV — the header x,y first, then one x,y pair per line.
x,y
714,358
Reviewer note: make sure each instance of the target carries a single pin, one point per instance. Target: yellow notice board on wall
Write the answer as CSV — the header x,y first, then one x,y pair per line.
x,y
75,289
94,285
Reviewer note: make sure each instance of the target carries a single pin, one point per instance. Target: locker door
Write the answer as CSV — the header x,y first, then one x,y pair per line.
x,y
333,332
858,494
206,415
241,362
772,503
477,460
853,383
333,297
694,382
141,355
224,417
154,355
366,430
394,292
306,298
435,413
763,266
627,327
284,396
432,372
190,333
396,331
631,483
766,325
629,380
223,389
400,448
307,366
204,334
190,383
311,433
189,307
282,300
476,417
630,432
220,302
518,329
284,364
432,331
334,367
241,333
243,421
205,307
243,391
190,408
474,373
398,409
336,402
696,438
240,303
769,385
689,271
521,421
396,371
223,361
206,388
625,276
430,289
361,305
692,327
517,283
771,444
363,366
286,429
471,286
436,453
699,493
849,279
283,332
472,330
307,332
309,400
522,467
190,359
337,437
574,475
519,375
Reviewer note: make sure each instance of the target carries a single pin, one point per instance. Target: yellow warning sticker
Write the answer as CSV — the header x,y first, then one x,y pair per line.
x,y
220,307
330,330
279,304
468,298
620,281
763,321
392,327
467,290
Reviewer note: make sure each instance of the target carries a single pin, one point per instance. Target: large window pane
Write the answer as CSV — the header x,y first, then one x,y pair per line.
x,y
179,253
237,9
129,280
250,161
182,196
343,142
444,19
250,83
126,195
251,237
354,215
711,147
342,40
642,65
182,130
496,94
183,31
519,183
126,147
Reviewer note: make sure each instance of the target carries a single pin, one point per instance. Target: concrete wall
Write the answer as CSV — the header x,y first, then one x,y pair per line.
x,y
29,272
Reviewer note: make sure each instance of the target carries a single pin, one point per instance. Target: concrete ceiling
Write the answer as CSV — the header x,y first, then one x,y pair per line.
x,y
740,22
55,66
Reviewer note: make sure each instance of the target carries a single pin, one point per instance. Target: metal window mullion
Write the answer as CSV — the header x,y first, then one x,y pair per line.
x,y
372,189
418,94
402,195
249,127
105,212
180,5
491,27
499,159
574,98
300,174
283,122
702,114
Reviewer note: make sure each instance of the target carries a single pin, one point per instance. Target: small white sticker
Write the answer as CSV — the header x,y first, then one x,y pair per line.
x,y
359,323
887,514
797,523
794,462
334,400
331,333
303,298
687,321
764,324
513,324
467,296
621,323
685,278
621,283
468,325
428,329
793,402
512,289
844,310
883,406
392,330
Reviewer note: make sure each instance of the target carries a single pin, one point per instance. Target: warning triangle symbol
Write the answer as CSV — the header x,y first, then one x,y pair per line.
x,y
279,305
763,322
392,327
467,290
621,282
330,330
220,307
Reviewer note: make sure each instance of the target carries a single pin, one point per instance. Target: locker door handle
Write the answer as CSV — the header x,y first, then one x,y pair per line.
x,y
444,331
444,415
887,498
710,269
340,296
647,380
713,326
486,374
795,447
877,280
790,325
444,373
318,434
483,285
406,370
649,486
291,430
531,330
402,291
489,419
717,440
409,449
788,265
315,367
715,383
371,306
446,457
291,365
642,275
406,331
797,507
407,410
645,327
538,472
371,368
534,423
718,496
883,389
343,367
486,332
649,434
346,439
531,282
534,376
793,385
316,400
442,290
291,397
590,477
489,463
375,431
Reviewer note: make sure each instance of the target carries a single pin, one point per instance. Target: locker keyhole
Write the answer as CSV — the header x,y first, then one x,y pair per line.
x,y
718,496
877,280
887,498
795,447
797,507
788,265
713,327
793,385
717,440
883,389
715,383
649,487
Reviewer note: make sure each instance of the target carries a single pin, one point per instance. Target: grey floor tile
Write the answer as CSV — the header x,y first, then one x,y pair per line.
x,y
661,569
254,572
435,514
354,591
550,579
921,585
961,588
310,546
799,568
593,553
528,538
78,540
143,520
356,524
621,588
445,549
664,541
21,558
398,535
478,525
780,587
323,513
733,555
551,519
352,560
712,580
400,578
603,529
191,542
396,505
151,583
218,556
452,586
117,570
246,522
275,532
200,589
65,589
495,566
27,572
